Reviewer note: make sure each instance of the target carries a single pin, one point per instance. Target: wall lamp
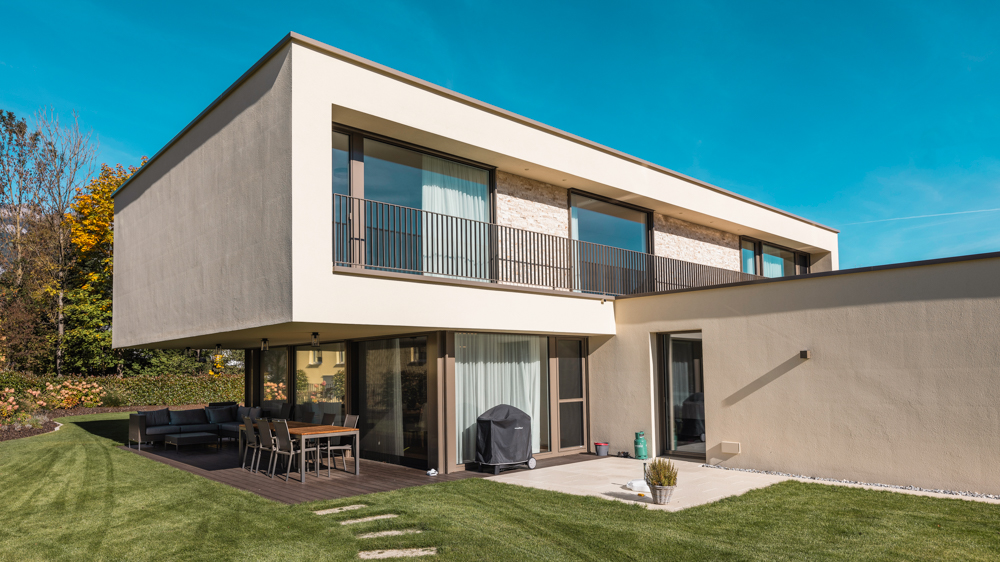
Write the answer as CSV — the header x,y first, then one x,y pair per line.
x,y
315,339
805,354
263,344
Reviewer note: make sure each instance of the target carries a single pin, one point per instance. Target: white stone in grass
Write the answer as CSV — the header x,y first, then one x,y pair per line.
x,y
390,533
396,553
339,509
367,519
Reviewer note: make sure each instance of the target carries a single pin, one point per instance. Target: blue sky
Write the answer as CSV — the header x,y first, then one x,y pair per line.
x,y
845,113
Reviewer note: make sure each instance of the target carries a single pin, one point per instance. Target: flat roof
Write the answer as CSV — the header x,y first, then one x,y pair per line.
x,y
423,84
866,269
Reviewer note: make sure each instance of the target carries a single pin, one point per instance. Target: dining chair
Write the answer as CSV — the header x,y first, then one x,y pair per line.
x,y
288,447
250,443
265,443
285,411
334,444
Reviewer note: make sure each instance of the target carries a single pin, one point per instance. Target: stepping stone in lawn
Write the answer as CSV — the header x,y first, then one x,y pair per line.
x,y
367,519
339,509
389,533
400,553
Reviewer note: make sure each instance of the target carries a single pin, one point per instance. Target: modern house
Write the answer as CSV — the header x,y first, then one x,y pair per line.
x,y
383,246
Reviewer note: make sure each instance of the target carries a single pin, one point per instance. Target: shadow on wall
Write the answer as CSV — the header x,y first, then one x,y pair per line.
x,y
763,380
716,456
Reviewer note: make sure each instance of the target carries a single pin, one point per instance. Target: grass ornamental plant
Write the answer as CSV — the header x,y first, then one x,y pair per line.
x,y
661,473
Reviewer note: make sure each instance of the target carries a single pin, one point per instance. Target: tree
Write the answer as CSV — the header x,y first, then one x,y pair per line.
x,y
63,164
88,312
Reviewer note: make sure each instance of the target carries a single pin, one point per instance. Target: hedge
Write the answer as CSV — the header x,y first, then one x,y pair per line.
x,y
168,390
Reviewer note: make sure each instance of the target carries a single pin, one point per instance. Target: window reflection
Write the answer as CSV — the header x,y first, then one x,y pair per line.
x,y
320,382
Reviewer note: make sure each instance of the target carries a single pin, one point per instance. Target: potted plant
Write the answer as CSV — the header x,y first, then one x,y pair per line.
x,y
661,475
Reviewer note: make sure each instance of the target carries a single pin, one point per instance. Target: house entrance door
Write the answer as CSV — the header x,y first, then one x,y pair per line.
x,y
683,403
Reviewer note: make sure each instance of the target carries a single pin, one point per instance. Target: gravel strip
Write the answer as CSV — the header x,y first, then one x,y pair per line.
x,y
872,484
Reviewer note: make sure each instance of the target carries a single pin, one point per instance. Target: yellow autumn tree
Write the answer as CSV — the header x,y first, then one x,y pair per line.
x,y
91,221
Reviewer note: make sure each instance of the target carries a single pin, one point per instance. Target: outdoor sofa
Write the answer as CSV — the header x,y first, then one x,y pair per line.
x,y
223,419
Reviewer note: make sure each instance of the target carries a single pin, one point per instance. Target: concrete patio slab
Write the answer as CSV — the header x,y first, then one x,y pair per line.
x,y
698,484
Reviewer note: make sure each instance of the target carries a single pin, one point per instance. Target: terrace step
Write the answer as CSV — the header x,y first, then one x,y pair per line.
x,y
366,519
396,553
339,509
389,533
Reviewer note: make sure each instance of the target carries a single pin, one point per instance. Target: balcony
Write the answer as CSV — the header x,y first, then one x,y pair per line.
x,y
383,237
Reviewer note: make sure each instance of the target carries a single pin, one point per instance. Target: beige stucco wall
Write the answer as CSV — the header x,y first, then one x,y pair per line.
x,y
203,234
532,205
902,387
682,240
321,296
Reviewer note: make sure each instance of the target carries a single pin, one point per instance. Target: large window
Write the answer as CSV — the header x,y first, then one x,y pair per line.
x,y
494,369
274,377
412,199
320,382
600,222
770,260
392,400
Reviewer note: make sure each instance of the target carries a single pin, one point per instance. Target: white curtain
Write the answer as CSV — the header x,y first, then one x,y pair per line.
x,y
494,369
774,266
454,247
383,405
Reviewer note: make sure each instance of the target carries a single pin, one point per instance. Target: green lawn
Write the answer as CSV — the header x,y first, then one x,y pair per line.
x,y
73,495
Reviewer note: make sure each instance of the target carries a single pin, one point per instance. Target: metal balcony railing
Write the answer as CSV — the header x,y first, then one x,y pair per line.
x,y
384,237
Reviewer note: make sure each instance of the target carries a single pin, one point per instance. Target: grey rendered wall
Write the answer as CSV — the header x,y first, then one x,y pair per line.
x,y
903,386
203,236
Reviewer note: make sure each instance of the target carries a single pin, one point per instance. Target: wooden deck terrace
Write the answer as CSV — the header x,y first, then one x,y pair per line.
x,y
224,466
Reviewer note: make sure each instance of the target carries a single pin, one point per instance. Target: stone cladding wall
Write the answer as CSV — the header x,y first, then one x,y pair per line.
x,y
691,242
532,205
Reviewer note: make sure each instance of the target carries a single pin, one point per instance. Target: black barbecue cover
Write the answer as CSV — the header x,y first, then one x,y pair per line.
x,y
503,436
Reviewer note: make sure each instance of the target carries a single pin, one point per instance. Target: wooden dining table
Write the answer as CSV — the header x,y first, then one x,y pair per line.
x,y
303,431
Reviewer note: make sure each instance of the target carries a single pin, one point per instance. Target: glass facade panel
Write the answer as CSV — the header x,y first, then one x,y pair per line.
x,y
777,262
604,223
687,398
494,369
409,178
274,377
571,424
392,398
748,256
320,382
570,369
341,164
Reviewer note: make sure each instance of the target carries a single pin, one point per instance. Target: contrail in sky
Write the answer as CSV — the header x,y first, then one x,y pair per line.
x,y
923,216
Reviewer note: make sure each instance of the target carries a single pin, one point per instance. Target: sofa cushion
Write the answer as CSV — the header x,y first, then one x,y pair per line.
x,y
188,417
209,427
243,411
162,429
156,417
231,428
222,414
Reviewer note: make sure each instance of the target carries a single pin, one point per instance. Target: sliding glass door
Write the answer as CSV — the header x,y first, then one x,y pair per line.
x,y
494,369
320,382
684,393
425,214
392,400
274,379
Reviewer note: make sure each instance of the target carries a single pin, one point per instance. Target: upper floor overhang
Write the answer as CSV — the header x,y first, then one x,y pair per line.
x,y
329,84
